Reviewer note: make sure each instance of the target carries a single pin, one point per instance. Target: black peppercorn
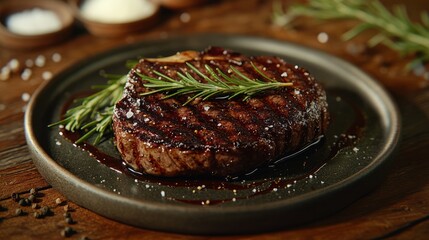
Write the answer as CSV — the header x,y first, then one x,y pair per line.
x,y
33,191
18,211
69,220
44,210
37,215
31,198
15,197
22,202
67,232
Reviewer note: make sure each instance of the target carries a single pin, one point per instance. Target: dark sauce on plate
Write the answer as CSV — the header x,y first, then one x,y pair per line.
x,y
280,174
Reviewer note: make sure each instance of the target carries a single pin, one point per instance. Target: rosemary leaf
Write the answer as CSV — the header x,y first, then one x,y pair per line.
x,y
94,113
217,83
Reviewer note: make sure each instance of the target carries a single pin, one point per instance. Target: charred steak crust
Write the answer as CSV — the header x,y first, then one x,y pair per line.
x,y
217,137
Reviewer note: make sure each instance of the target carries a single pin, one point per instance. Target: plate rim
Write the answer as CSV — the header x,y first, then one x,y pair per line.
x,y
42,158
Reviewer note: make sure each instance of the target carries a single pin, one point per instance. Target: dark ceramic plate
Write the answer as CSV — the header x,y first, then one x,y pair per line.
x,y
325,178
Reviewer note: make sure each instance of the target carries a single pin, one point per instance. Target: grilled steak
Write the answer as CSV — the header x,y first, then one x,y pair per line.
x,y
217,137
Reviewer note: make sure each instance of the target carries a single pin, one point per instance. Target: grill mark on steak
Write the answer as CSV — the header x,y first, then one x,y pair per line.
x,y
217,137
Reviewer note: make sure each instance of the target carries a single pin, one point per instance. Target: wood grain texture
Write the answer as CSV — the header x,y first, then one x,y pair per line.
x,y
399,208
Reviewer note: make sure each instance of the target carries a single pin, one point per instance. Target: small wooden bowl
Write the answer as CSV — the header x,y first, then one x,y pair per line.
x,y
14,40
102,29
180,4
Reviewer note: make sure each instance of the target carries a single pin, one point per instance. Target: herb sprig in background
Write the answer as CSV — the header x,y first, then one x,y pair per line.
x,y
394,28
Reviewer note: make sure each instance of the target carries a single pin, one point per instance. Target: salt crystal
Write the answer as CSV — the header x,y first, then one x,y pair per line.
x,y
322,37
46,75
5,73
26,74
296,91
185,17
206,108
130,114
162,193
40,61
284,74
355,149
113,11
56,57
33,22
25,97
29,63
14,65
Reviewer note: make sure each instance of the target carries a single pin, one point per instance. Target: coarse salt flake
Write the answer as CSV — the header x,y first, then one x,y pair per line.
x,y
129,114
56,57
40,61
185,17
5,73
162,193
322,37
14,65
29,63
46,75
26,74
355,149
25,97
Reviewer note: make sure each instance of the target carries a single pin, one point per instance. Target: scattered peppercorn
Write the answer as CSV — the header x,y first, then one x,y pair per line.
x,y
15,197
27,202
58,201
37,215
31,198
33,191
34,206
66,208
84,238
18,211
67,232
66,215
45,210
22,202
69,220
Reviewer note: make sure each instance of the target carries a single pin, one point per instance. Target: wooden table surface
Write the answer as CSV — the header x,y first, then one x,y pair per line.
x,y
398,208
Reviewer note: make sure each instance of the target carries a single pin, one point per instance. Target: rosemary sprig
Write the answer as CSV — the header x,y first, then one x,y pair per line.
x,y
217,83
395,29
94,113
